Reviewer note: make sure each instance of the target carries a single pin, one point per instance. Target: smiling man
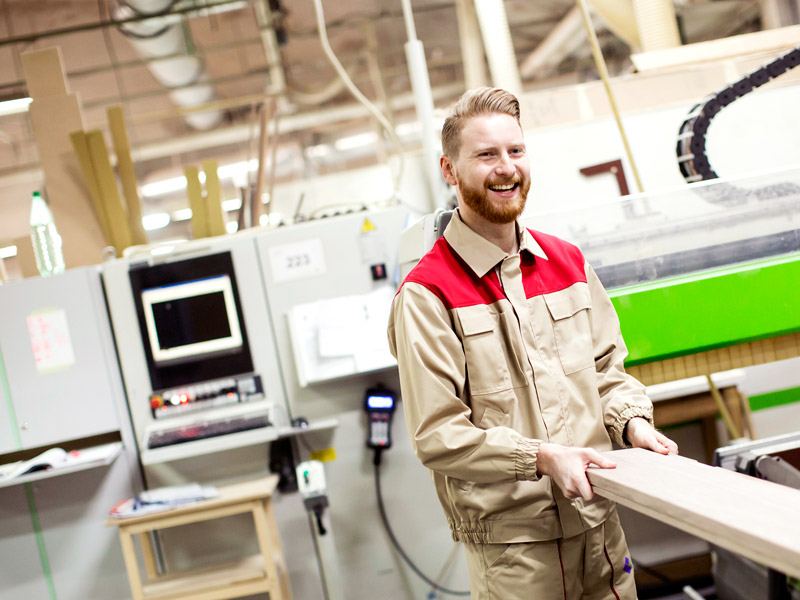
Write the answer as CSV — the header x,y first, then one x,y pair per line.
x,y
511,368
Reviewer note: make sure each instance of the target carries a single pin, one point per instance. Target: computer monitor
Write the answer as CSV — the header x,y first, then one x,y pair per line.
x,y
191,320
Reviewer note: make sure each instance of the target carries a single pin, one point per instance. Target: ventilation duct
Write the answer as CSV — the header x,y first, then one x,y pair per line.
x,y
163,36
658,27
619,17
497,43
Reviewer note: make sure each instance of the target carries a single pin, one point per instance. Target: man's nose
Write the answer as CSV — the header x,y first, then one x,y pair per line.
x,y
505,166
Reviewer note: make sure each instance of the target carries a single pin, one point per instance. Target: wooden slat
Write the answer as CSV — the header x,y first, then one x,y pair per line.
x,y
749,516
214,212
231,580
53,118
44,73
127,173
81,147
171,518
109,192
196,202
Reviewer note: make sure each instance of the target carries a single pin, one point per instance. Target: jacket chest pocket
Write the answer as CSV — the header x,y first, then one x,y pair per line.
x,y
569,309
489,349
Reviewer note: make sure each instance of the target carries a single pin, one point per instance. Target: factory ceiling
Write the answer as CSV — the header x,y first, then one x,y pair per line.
x,y
247,62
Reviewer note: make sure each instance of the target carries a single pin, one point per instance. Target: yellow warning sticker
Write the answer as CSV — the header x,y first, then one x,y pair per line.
x,y
325,455
367,226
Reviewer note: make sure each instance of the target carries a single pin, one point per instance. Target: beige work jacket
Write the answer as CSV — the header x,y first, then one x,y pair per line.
x,y
496,354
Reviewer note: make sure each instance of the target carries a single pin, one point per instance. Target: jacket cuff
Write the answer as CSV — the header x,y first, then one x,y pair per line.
x,y
618,428
525,459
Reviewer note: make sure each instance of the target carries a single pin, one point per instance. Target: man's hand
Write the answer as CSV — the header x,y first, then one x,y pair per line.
x,y
640,434
567,466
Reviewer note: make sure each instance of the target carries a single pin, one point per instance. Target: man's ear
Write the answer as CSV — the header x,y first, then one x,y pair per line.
x,y
448,170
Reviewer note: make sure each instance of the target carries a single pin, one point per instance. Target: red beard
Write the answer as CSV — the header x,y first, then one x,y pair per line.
x,y
499,211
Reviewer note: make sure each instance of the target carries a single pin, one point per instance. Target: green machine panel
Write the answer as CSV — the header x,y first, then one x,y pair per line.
x,y
712,309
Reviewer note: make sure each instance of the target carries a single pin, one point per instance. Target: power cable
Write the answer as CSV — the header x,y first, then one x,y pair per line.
x,y
384,519
323,36
691,146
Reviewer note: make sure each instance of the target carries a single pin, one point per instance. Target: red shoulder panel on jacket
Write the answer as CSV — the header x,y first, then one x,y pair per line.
x,y
446,274
564,267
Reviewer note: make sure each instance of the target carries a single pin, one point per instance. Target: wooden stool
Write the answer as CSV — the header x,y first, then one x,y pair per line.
x,y
264,572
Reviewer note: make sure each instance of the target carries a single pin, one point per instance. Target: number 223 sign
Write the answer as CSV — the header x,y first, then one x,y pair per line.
x,y
297,261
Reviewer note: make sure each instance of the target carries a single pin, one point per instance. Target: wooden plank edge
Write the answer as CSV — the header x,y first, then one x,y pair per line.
x,y
736,541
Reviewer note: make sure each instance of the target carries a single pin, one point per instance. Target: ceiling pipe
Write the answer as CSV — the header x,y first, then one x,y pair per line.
x,y
498,45
269,39
562,40
161,37
423,101
469,34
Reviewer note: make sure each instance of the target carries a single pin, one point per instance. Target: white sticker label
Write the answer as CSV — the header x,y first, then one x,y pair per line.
x,y
50,340
297,261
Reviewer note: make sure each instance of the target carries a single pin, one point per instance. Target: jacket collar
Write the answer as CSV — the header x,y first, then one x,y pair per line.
x,y
479,253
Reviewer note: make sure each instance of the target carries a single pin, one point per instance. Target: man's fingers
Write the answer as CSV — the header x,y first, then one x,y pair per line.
x,y
579,488
585,489
670,446
600,460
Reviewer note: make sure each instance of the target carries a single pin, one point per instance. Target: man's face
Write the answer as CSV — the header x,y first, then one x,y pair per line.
x,y
492,171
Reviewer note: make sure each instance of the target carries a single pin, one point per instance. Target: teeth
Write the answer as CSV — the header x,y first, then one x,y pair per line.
x,y
502,188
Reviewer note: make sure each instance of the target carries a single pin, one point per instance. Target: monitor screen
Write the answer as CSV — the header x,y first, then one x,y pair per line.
x,y
191,319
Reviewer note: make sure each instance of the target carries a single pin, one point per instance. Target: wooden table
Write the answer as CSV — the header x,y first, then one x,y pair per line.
x,y
263,572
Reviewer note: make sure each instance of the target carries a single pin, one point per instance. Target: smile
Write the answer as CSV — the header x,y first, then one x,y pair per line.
x,y
505,187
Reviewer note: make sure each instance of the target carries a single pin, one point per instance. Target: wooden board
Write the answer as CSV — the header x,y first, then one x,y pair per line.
x,y
196,202
127,173
231,580
752,517
54,114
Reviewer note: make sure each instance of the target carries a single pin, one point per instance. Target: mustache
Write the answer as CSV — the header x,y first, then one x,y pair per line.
x,y
512,180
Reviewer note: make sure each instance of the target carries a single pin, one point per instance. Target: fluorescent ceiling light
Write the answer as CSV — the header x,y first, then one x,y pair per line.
x,y
237,169
355,141
155,221
8,252
165,186
270,219
11,107
409,128
175,184
318,151
182,214
232,204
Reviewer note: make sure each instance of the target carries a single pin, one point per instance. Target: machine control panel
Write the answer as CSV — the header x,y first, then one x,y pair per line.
x,y
201,396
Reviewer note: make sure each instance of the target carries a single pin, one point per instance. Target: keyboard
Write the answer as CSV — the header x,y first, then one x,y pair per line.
x,y
205,430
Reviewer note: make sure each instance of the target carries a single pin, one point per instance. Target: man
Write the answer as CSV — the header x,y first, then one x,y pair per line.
x,y
511,368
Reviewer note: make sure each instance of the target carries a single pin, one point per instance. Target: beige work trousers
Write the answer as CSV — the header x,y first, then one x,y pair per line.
x,y
594,565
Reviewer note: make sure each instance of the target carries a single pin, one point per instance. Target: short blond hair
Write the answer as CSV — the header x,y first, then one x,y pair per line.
x,y
480,101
